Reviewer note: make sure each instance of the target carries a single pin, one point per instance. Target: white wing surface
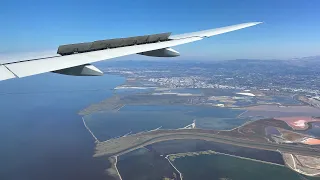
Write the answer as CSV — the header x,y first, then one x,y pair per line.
x,y
213,32
76,58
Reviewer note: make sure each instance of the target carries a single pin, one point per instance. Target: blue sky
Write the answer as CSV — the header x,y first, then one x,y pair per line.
x,y
291,28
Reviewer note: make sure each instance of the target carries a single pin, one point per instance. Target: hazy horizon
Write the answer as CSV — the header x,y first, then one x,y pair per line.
x,y
289,29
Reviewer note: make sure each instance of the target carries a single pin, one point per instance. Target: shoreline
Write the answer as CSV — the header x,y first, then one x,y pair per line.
x,y
180,174
211,152
85,125
115,166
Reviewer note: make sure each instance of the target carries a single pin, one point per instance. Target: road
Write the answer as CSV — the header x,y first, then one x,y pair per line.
x,y
126,144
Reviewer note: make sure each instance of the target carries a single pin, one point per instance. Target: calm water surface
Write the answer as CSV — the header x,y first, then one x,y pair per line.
x,y
221,166
41,135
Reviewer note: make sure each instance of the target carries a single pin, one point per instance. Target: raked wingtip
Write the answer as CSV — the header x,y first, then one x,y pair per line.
x,y
248,24
256,23
252,24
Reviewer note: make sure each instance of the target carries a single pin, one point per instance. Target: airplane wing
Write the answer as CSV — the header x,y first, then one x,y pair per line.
x,y
76,59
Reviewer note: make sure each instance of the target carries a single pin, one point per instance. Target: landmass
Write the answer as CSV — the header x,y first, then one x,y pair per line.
x,y
219,102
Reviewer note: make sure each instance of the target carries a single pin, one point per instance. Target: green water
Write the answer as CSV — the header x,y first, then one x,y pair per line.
x,y
217,166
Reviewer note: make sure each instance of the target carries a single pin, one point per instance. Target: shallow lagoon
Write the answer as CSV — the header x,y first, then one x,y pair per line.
x,y
315,129
106,125
220,123
196,111
134,119
216,166
143,164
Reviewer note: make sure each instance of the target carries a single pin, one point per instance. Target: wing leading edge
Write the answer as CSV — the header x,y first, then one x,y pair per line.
x,y
30,67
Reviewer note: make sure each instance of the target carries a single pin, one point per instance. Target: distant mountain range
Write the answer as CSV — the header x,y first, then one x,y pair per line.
x,y
309,58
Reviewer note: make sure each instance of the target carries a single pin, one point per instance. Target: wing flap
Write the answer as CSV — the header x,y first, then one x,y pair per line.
x,y
5,73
